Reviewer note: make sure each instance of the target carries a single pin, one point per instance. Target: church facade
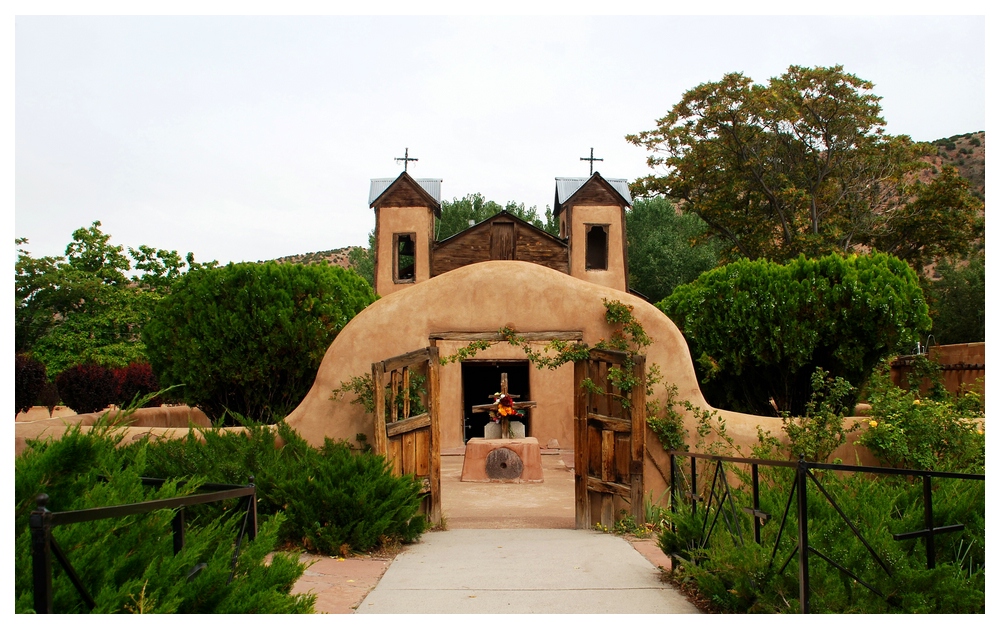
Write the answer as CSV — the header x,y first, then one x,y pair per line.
x,y
503,273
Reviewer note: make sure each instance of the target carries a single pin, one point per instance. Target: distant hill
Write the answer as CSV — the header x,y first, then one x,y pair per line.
x,y
967,153
338,257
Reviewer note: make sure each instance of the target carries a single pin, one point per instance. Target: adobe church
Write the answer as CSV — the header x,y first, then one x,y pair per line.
x,y
436,297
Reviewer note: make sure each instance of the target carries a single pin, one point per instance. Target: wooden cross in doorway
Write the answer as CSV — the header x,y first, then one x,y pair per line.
x,y
504,421
591,159
406,159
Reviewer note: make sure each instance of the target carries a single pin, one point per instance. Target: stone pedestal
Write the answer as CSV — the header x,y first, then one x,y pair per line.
x,y
502,461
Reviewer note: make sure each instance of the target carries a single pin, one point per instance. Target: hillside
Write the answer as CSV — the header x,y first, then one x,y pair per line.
x,y
338,257
967,153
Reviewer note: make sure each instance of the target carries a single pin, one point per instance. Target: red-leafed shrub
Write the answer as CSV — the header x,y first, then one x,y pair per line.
x,y
87,388
136,380
29,378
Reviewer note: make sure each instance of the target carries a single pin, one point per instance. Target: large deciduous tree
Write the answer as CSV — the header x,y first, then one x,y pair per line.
x,y
802,165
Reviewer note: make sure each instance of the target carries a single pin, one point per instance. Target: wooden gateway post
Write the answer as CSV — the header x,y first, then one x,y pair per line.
x,y
505,459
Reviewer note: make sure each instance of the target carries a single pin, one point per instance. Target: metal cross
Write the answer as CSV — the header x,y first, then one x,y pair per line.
x,y
406,159
591,159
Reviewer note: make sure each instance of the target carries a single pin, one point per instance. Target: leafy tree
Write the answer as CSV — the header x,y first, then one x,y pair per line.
x,y
800,165
666,249
758,330
363,260
248,338
456,214
958,301
90,305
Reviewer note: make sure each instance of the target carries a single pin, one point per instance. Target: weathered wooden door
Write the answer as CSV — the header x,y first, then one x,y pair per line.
x,y
610,438
406,421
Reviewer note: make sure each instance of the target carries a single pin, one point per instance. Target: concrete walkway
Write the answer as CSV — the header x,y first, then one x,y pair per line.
x,y
522,571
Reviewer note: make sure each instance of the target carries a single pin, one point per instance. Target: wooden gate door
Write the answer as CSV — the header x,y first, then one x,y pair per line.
x,y
609,441
406,421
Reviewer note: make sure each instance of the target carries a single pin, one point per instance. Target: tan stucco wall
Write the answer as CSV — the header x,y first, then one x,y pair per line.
x,y
610,215
402,220
485,297
168,421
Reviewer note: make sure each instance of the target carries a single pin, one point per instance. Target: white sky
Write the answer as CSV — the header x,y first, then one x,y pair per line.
x,y
249,138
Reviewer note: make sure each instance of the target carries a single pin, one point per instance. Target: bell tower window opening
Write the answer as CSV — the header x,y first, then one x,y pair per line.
x,y
404,265
597,248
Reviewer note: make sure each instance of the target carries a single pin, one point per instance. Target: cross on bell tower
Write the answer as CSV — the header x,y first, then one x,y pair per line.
x,y
591,159
406,159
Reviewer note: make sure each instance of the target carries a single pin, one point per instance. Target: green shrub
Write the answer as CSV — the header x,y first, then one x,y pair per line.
x,y
758,330
127,564
744,577
88,388
937,432
29,379
332,498
248,338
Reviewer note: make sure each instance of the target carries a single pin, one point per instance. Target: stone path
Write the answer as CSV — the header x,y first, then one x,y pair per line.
x,y
522,571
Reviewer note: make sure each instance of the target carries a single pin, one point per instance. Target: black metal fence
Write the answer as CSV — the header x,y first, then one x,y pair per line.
x,y
44,546
719,499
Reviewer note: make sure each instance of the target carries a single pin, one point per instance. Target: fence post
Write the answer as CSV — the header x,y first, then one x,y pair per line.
x,y
756,502
40,522
178,524
800,477
252,509
929,523
694,486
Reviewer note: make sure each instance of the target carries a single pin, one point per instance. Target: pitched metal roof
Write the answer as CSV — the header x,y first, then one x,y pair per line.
x,y
567,187
430,186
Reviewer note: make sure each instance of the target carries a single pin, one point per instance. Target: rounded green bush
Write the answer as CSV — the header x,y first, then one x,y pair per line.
x,y
758,330
248,338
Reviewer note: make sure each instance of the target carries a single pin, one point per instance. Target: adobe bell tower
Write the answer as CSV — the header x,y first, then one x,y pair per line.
x,y
405,209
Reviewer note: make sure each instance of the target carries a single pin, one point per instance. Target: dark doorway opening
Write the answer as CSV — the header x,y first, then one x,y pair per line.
x,y
480,380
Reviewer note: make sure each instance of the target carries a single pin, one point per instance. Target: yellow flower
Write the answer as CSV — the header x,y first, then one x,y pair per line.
x,y
873,423
980,431
916,401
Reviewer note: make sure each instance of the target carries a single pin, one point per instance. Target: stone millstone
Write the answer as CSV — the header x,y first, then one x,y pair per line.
x,y
504,464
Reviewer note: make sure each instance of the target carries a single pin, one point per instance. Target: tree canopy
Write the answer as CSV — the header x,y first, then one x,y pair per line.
x,y
90,305
456,214
666,249
803,165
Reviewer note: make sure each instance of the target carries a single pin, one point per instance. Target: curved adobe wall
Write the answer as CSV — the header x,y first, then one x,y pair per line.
x,y
485,297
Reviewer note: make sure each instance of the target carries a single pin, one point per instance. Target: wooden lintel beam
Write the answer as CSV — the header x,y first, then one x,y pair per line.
x,y
560,335
405,360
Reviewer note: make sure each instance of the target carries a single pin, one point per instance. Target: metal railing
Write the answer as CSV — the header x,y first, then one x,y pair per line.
x,y
44,547
720,496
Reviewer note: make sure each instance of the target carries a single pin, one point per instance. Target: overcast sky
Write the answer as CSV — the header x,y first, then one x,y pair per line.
x,y
249,138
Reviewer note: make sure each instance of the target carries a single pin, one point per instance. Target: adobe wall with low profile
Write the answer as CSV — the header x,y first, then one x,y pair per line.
x,y
486,297
167,421
963,367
